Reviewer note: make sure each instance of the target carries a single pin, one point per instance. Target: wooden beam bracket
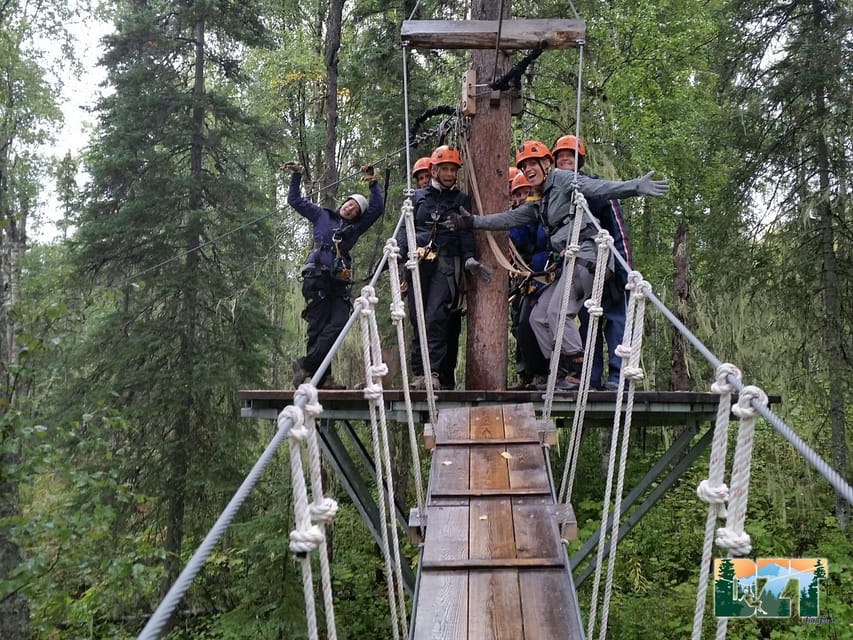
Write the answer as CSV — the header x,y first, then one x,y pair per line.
x,y
469,93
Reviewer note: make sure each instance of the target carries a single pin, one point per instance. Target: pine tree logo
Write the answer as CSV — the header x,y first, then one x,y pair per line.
x,y
768,587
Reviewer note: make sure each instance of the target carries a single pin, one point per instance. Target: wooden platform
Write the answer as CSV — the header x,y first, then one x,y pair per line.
x,y
493,565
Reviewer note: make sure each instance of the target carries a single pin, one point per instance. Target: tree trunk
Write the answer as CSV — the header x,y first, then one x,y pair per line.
x,y
488,143
832,305
333,45
679,377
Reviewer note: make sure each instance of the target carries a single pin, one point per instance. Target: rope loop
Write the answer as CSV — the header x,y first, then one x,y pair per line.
x,y
324,512
603,239
721,384
412,264
298,430
306,540
312,408
744,408
635,278
712,494
392,249
736,543
369,293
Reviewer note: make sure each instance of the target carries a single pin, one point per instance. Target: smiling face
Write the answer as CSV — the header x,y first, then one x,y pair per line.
x,y
350,210
519,195
445,173
534,169
421,179
565,159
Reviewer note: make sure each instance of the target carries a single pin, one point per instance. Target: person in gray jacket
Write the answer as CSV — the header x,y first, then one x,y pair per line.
x,y
556,214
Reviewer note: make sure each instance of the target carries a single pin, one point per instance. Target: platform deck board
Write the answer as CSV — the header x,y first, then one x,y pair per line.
x,y
493,565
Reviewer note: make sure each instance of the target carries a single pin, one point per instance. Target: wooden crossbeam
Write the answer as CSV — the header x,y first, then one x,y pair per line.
x,y
482,34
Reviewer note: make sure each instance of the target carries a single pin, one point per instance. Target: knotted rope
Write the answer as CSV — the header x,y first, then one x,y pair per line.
x,y
374,370
713,490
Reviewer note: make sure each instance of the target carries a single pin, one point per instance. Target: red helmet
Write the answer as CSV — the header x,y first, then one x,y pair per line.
x,y
422,164
445,154
532,149
570,143
513,171
519,182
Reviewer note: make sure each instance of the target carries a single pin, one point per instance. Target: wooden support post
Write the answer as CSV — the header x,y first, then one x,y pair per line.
x,y
486,356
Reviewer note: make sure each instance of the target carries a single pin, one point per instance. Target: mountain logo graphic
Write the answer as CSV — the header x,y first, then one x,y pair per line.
x,y
768,587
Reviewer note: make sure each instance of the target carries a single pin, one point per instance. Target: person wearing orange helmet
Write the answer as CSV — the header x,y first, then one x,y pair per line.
x,y
327,274
569,152
557,215
421,172
443,255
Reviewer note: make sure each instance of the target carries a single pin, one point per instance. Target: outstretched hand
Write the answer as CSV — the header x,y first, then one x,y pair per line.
x,y
295,167
459,221
367,174
649,187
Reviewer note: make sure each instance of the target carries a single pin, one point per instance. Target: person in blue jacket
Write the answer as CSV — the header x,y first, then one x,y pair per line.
x,y
327,273
611,328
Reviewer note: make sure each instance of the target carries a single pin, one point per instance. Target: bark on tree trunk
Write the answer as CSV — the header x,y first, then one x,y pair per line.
x,y
679,376
333,45
486,361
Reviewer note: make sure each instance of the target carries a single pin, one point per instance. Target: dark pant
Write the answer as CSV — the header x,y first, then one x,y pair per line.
x,y
438,285
528,356
327,309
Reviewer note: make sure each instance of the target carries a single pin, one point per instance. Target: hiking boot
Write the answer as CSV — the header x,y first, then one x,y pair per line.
x,y
612,383
567,383
538,382
331,384
299,374
419,383
524,381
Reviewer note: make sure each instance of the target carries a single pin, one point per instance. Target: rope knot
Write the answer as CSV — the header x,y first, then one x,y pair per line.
x,y
312,408
392,249
412,263
572,250
324,512
398,311
595,310
634,280
712,494
603,239
623,351
373,391
721,384
379,370
369,294
306,540
298,431
633,373
737,543
744,408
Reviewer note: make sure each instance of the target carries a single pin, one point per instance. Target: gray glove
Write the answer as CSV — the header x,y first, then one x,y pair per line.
x,y
461,221
648,187
480,270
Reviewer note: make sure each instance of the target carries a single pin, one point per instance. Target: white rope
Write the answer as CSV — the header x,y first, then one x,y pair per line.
x,y
633,373
306,536
595,311
374,369
322,509
420,321
713,490
569,259
398,316
624,350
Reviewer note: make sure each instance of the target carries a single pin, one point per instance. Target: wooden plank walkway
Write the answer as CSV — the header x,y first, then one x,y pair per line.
x,y
493,565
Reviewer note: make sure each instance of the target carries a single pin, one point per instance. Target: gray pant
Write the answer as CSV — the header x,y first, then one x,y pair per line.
x,y
543,318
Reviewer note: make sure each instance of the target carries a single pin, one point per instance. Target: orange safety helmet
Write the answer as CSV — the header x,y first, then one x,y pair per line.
x,y
513,171
532,149
422,164
570,143
519,182
445,154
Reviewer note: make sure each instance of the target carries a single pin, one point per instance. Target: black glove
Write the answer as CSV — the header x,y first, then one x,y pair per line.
x,y
295,167
367,173
461,221
475,268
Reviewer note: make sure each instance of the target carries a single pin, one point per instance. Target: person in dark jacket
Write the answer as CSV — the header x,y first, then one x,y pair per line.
x,y
613,302
327,273
443,255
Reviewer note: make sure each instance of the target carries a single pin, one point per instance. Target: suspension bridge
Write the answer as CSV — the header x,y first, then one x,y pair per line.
x,y
492,523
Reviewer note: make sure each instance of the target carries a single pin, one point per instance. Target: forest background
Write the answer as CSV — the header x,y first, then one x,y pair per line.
x,y
122,343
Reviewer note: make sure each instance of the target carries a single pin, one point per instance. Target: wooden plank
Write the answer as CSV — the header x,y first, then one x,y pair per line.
x,y
490,531
536,533
442,612
520,420
493,563
494,605
447,535
548,608
449,470
478,492
489,469
486,423
526,465
477,443
451,424
429,437
482,34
